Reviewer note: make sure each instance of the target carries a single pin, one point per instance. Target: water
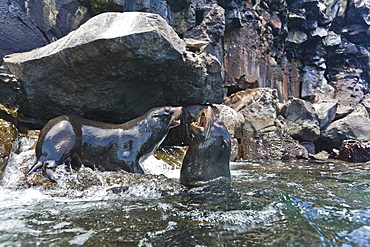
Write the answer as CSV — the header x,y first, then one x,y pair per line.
x,y
267,204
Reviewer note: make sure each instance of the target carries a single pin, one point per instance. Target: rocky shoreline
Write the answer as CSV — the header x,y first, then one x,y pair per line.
x,y
289,78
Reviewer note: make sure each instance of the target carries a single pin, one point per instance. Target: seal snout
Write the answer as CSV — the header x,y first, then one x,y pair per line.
x,y
175,121
204,120
209,151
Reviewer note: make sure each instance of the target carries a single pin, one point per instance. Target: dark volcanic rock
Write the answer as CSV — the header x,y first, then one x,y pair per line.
x,y
115,67
355,126
17,32
273,145
10,95
58,18
210,30
301,119
8,134
258,106
346,74
263,135
354,151
245,62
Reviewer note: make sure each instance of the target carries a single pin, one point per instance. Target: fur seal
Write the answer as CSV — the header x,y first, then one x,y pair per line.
x,y
209,152
75,141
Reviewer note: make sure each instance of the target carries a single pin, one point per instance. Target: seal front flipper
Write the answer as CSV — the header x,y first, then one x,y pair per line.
x,y
138,169
36,167
48,170
134,167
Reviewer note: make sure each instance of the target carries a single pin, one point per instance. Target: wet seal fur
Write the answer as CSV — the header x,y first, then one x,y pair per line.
x,y
75,141
208,156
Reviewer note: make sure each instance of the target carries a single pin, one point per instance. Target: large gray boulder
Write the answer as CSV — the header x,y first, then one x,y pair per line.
x,y
273,145
263,135
325,112
233,122
355,126
301,120
115,67
258,106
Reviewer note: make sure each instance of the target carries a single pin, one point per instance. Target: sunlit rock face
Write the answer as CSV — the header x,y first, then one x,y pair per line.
x,y
264,136
233,121
258,107
354,126
115,67
301,119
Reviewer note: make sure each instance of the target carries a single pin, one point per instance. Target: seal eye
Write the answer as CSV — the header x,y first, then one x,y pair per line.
x,y
167,110
163,113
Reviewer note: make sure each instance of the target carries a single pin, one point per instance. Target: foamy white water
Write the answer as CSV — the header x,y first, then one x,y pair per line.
x,y
152,165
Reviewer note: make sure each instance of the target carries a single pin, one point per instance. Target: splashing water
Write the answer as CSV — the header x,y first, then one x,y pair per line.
x,y
268,203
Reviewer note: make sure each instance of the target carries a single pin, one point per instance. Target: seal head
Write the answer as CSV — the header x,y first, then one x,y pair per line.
x,y
209,152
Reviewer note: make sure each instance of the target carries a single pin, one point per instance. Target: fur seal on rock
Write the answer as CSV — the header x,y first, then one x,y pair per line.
x,y
209,152
75,141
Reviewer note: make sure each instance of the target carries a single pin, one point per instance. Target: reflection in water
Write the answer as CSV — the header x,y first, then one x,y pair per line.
x,y
267,204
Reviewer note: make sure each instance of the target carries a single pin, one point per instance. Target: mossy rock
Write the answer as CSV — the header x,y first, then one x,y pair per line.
x,y
100,6
8,134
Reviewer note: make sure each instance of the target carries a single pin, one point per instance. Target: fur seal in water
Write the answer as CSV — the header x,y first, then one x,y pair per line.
x,y
75,141
209,152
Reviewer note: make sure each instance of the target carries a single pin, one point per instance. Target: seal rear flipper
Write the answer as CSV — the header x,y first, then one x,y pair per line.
x,y
36,167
